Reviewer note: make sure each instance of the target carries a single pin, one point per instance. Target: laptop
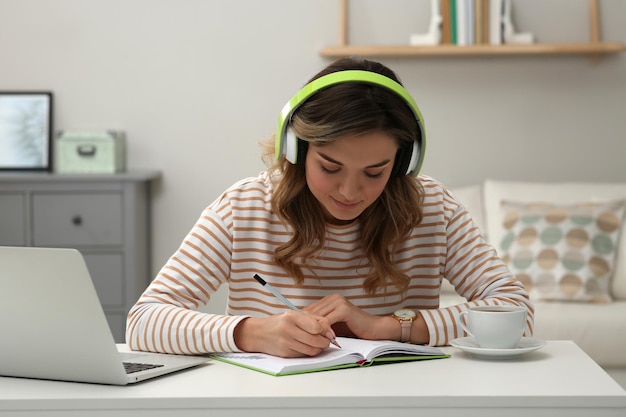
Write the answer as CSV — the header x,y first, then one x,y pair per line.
x,y
52,325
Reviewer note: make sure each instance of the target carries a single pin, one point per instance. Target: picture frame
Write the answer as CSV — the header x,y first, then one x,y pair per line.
x,y
26,130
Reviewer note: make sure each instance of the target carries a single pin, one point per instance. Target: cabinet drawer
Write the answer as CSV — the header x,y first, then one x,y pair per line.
x,y
107,274
77,219
12,221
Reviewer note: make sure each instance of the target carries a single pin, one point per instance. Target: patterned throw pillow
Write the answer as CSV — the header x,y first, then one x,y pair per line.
x,y
564,253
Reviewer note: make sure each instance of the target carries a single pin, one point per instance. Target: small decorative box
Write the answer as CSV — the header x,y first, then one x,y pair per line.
x,y
102,152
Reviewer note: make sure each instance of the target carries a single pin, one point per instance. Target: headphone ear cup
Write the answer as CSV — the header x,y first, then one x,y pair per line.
x,y
415,163
290,146
303,146
404,157
294,148
408,160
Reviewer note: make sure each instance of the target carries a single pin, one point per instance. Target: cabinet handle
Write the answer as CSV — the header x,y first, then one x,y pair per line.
x,y
77,220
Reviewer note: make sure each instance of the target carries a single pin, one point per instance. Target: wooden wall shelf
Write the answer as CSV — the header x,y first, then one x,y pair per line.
x,y
474,50
594,47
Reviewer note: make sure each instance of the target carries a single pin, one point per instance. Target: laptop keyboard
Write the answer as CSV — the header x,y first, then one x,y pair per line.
x,y
132,367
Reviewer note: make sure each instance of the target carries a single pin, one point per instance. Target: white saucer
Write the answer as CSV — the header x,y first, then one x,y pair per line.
x,y
525,345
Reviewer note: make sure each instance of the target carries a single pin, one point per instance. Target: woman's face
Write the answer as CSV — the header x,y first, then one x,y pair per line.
x,y
347,175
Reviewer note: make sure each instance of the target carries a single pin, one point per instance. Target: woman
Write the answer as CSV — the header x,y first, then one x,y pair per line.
x,y
340,225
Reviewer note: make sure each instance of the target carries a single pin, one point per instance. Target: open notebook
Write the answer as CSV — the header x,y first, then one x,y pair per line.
x,y
353,353
52,325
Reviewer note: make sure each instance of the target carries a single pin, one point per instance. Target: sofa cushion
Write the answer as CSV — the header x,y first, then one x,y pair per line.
x,y
562,252
599,329
494,192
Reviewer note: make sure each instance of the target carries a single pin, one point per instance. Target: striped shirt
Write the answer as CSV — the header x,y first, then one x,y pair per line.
x,y
236,236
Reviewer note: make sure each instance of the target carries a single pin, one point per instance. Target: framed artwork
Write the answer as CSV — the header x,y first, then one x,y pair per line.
x,y
26,130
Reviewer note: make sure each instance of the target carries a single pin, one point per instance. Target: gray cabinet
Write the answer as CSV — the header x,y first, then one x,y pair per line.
x,y
105,217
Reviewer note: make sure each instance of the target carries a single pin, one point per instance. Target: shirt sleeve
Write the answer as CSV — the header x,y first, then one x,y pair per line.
x,y
477,273
166,317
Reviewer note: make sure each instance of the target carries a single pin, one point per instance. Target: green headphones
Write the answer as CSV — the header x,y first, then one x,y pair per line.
x,y
410,158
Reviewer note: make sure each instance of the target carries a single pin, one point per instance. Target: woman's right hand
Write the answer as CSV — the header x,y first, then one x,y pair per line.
x,y
290,334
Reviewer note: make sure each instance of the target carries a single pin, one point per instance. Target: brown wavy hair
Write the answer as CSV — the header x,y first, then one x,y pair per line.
x,y
350,108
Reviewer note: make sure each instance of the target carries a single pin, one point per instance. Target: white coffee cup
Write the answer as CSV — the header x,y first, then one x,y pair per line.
x,y
495,327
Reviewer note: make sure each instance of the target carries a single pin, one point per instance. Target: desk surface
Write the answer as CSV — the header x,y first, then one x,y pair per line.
x,y
559,379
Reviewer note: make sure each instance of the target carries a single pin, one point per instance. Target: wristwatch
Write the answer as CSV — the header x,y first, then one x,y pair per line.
x,y
405,317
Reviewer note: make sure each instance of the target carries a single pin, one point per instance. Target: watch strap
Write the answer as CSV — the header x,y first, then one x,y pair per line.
x,y
405,330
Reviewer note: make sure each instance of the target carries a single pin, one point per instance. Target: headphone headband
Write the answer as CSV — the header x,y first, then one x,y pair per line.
x,y
284,138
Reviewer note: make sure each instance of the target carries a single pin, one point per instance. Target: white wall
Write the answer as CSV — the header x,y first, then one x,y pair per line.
x,y
197,83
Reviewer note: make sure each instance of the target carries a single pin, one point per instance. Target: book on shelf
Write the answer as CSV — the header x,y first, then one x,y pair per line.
x,y
462,22
481,21
471,22
453,22
446,22
353,353
495,21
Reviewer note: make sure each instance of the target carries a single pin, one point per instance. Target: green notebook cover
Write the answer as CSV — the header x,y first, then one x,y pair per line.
x,y
354,353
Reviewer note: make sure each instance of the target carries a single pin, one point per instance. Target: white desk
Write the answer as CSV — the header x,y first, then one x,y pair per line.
x,y
558,380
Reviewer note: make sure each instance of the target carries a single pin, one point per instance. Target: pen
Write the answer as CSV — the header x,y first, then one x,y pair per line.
x,y
285,301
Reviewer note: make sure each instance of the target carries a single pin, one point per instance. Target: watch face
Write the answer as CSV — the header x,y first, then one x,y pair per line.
x,y
405,313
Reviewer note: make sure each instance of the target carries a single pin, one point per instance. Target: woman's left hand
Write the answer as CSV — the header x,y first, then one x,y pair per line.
x,y
346,318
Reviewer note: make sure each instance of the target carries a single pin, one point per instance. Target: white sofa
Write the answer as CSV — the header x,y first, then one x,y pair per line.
x,y
598,328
